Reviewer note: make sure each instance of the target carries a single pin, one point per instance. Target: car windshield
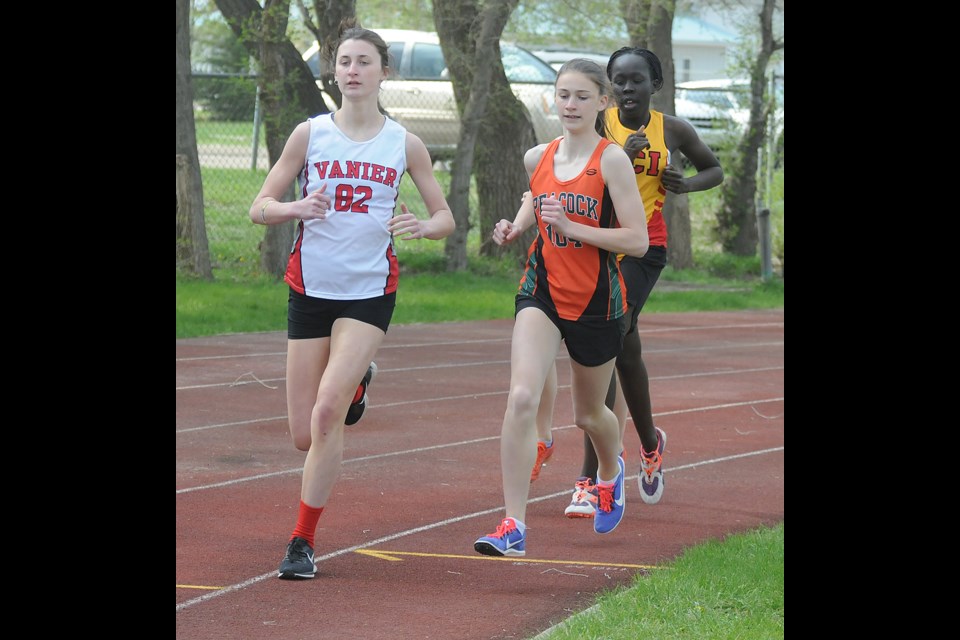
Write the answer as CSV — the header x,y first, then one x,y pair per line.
x,y
712,97
522,66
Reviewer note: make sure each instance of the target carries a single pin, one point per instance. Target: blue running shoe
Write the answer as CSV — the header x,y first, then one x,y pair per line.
x,y
505,541
610,503
651,471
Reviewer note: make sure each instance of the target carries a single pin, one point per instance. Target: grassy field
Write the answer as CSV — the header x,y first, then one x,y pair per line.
x,y
728,589
245,303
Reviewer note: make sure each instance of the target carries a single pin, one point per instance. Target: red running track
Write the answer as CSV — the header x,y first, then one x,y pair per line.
x,y
421,481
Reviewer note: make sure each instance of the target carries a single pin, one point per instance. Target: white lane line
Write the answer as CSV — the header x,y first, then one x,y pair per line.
x,y
273,474
387,405
483,363
401,534
487,340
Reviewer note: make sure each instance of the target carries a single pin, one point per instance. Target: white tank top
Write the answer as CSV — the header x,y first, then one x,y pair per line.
x,y
349,255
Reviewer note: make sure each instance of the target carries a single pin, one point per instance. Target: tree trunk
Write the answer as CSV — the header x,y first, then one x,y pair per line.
x,y
193,254
636,16
288,94
737,218
471,112
676,208
281,116
505,136
650,26
676,213
470,40
326,29
660,41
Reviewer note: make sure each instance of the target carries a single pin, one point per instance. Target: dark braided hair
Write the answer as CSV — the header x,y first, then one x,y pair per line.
x,y
652,61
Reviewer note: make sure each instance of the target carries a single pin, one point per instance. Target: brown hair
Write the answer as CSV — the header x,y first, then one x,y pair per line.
x,y
350,29
596,73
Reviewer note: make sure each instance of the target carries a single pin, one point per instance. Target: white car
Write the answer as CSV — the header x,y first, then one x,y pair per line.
x,y
419,95
715,108
720,109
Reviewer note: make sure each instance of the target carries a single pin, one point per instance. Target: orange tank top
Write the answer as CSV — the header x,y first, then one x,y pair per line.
x,y
577,280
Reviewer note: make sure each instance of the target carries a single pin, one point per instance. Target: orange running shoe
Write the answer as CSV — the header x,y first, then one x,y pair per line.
x,y
543,454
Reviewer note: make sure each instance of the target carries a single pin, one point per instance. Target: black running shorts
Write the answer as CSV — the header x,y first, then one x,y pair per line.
x,y
640,276
589,342
309,317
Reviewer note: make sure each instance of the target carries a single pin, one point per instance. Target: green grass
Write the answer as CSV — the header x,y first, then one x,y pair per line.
x,y
719,590
220,132
232,238
241,302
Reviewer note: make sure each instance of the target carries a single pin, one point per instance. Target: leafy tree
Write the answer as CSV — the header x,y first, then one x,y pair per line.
x,y
192,250
591,25
213,43
324,23
228,94
650,25
288,93
395,14
736,220
495,130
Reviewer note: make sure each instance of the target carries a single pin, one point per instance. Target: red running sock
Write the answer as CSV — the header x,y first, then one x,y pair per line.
x,y
307,522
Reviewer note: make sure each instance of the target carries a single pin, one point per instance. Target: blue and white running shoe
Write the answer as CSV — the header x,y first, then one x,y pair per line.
x,y
610,503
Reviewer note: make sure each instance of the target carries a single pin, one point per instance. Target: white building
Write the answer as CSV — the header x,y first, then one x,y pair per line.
x,y
699,49
704,40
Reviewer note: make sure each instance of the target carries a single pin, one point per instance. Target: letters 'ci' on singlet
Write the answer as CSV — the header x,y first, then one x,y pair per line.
x,y
649,164
577,280
350,254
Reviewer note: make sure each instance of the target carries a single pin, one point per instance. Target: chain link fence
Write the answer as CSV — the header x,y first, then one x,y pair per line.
x,y
233,165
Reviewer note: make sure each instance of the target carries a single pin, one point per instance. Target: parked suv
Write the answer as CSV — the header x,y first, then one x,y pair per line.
x,y
419,95
720,109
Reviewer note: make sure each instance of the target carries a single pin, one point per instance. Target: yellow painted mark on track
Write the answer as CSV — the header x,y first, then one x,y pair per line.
x,y
390,555
196,586
377,554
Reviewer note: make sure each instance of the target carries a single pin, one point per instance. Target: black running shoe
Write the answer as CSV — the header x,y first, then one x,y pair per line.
x,y
298,561
355,412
